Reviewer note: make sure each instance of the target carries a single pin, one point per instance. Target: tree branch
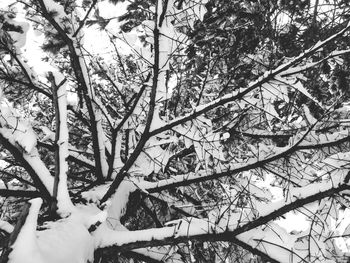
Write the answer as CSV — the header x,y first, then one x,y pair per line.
x,y
145,135
20,193
183,180
168,236
21,221
84,86
239,95
18,155
82,22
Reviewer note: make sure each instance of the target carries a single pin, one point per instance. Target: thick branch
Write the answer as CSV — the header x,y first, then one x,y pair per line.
x,y
19,193
82,23
18,155
121,124
146,135
30,85
239,95
184,180
71,157
21,221
83,85
166,235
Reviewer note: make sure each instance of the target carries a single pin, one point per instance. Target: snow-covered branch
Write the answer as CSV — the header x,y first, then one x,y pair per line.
x,y
309,142
60,188
229,228
240,93
81,74
19,139
19,193
157,81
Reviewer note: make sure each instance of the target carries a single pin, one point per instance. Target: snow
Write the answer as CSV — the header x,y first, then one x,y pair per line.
x,y
96,194
342,227
311,119
18,37
97,110
157,122
272,240
190,226
181,204
338,160
234,166
108,10
101,142
104,113
20,134
40,168
172,180
25,248
293,221
66,240
48,134
294,70
105,236
187,227
64,202
7,227
14,128
5,3
2,184
118,204
165,254
206,142
118,163
166,33
78,154
295,194
312,138
153,158
111,230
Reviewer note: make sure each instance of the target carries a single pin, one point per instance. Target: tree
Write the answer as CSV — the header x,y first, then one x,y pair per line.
x,y
205,125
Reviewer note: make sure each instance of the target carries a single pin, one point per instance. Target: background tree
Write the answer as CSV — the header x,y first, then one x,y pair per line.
x,y
186,138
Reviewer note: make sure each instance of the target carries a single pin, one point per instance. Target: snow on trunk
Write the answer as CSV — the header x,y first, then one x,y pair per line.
x,y
64,202
119,202
101,142
97,110
166,33
25,248
40,168
66,240
117,163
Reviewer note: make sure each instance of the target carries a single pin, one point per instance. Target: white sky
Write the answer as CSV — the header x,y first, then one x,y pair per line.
x,y
95,41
